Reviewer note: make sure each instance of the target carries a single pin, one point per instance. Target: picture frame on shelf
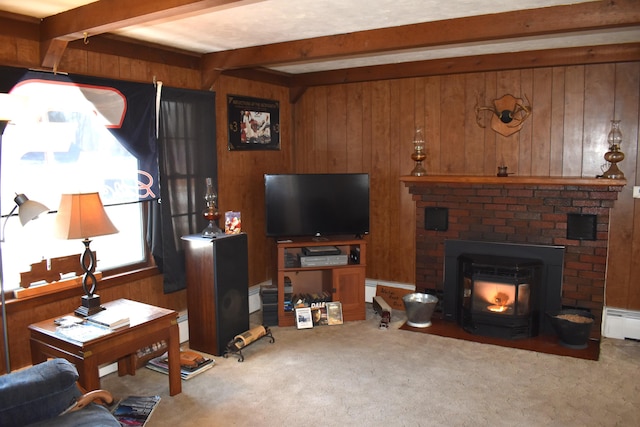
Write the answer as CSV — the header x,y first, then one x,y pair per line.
x,y
304,320
319,315
254,123
334,313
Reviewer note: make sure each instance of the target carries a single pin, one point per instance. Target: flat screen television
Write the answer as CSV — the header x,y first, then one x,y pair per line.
x,y
316,204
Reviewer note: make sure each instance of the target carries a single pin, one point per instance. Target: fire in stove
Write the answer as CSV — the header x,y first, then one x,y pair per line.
x,y
500,298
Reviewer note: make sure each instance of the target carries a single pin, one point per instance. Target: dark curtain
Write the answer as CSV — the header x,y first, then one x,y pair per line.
x,y
187,156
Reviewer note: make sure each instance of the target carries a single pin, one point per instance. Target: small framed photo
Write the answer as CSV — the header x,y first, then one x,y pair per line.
x,y
254,123
232,222
334,313
303,318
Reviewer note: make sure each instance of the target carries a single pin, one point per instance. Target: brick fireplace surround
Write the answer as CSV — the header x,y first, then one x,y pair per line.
x,y
522,210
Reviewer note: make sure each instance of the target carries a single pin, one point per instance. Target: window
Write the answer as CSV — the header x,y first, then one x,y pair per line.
x,y
62,144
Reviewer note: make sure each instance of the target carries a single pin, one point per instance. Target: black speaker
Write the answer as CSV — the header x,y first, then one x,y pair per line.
x,y
232,288
436,219
581,226
217,292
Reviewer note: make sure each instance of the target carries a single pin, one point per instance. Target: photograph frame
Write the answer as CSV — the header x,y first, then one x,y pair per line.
x,y
319,315
253,123
334,313
304,320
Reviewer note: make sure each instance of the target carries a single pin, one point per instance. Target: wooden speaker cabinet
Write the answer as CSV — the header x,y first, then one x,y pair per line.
x,y
217,290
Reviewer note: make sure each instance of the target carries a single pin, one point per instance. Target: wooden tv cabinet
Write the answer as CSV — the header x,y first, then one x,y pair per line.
x,y
345,283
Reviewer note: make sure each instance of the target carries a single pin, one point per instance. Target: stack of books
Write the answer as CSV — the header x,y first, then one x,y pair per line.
x,y
188,370
112,319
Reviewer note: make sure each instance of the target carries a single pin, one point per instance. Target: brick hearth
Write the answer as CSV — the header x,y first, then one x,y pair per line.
x,y
525,210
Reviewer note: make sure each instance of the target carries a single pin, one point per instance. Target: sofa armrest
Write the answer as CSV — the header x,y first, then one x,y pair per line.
x,y
37,393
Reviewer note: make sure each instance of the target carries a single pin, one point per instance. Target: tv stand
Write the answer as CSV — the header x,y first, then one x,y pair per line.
x,y
345,283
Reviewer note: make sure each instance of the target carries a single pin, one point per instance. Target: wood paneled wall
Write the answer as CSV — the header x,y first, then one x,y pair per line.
x,y
241,173
369,127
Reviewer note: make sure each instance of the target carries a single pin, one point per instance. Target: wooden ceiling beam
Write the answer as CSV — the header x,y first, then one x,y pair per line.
x,y
101,17
261,75
470,64
502,26
21,26
134,49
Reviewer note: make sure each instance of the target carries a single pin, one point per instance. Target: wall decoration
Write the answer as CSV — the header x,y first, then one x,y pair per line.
x,y
509,114
254,124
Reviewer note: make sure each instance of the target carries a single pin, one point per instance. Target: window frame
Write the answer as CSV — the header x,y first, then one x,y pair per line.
x,y
142,249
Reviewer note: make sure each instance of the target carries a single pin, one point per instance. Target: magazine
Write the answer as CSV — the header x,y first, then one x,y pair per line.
x,y
82,332
161,364
319,315
135,410
334,313
303,318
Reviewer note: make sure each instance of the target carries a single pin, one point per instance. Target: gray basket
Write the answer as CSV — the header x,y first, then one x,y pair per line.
x,y
419,308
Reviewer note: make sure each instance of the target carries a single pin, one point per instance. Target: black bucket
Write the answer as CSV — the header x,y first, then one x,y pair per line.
x,y
572,334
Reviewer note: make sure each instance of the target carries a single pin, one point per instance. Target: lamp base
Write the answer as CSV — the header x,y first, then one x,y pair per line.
x,y
90,305
212,230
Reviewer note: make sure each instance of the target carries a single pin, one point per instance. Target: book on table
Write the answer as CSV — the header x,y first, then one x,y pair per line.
x,y
190,366
112,319
135,410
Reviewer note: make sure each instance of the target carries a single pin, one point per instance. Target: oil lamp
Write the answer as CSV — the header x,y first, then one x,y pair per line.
x,y
211,213
418,154
614,155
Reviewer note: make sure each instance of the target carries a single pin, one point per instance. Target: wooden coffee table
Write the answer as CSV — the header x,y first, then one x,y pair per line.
x,y
148,325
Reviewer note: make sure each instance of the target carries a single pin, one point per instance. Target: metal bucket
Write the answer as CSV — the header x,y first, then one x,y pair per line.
x,y
419,308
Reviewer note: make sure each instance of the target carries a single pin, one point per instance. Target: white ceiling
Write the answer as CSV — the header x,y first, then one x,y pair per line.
x,y
260,22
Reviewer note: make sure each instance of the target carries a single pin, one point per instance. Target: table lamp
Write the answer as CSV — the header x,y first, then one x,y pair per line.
x,y
82,216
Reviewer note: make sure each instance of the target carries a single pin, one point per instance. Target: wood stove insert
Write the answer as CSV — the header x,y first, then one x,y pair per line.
x,y
472,267
499,296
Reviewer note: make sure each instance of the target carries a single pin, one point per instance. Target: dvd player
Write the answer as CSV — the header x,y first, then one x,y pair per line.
x,y
321,250
323,261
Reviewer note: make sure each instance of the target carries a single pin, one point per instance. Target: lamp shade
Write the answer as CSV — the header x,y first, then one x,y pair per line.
x,y
28,208
82,216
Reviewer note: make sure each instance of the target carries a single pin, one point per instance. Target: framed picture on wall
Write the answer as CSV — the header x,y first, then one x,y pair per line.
x,y
254,123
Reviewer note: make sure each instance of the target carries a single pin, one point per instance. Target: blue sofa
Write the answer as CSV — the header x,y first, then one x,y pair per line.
x,y
47,395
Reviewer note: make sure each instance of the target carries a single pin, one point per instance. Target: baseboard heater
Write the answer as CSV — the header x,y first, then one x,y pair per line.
x,y
621,324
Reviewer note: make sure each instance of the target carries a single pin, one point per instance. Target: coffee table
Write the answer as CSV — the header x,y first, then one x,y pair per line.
x,y
148,325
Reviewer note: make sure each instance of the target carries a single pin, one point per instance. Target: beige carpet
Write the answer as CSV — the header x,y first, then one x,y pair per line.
x,y
357,374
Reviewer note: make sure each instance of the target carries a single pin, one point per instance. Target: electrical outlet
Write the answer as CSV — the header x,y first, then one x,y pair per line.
x,y
636,192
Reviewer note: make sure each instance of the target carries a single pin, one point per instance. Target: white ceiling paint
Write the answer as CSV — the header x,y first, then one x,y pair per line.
x,y
274,21
259,22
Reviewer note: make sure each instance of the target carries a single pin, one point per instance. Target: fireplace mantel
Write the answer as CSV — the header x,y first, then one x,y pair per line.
x,y
513,180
